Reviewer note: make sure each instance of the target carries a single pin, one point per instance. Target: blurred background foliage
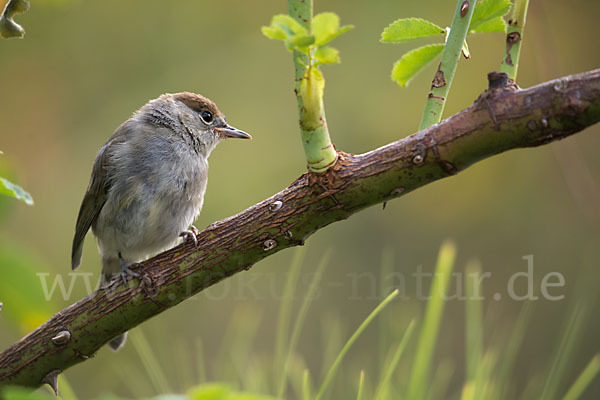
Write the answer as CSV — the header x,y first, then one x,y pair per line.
x,y
84,67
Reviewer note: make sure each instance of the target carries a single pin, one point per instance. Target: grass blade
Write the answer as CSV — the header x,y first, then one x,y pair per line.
x,y
433,314
285,311
306,391
314,284
382,387
564,353
153,369
441,380
361,385
350,342
509,355
473,320
584,379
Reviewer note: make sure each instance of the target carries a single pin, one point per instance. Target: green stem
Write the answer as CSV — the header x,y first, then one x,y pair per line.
x,y
450,56
319,151
514,37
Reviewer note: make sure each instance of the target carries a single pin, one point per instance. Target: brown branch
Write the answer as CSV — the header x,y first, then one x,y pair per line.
x,y
501,119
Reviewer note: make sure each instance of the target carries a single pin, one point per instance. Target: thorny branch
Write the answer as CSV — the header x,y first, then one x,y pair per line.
x,y
502,118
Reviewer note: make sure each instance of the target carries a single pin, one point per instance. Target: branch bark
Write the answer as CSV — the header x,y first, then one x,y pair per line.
x,y
499,120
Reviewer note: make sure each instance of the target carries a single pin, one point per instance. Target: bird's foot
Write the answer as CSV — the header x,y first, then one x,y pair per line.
x,y
190,234
126,270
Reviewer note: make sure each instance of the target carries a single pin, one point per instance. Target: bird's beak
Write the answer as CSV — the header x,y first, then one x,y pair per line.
x,y
230,131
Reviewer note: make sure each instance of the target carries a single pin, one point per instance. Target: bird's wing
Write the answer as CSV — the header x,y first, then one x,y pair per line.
x,y
92,203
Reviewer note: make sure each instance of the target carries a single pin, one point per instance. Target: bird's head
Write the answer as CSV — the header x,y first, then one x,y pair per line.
x,y
195,117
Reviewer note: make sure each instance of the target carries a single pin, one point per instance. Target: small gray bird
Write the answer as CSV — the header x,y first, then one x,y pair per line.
x,y
148,182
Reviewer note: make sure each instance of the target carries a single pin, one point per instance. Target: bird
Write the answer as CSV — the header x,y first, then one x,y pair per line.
x,y
148,183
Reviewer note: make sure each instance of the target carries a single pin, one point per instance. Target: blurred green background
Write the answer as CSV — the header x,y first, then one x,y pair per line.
x,y
85,66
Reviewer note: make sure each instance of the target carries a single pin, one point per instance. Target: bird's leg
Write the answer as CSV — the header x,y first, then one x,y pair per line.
x,y
190,234
126,271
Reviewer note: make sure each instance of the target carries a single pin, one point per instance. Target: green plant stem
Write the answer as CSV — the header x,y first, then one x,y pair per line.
x,y
514,37
521,118
318,149
440,86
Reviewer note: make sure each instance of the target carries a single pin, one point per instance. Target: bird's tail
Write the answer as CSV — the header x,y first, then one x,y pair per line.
x,y
110,267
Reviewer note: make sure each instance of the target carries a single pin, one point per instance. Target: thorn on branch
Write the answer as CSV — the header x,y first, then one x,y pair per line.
x,y
51,379
276,205
269,244
62,338
397,192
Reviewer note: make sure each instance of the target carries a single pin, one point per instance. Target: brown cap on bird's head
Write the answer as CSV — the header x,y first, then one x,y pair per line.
x,y
210,114
197,103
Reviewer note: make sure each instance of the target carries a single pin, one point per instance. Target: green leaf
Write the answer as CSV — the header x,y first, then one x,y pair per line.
x,y
302,41
493,25
10,189
326,55
221,392
209,392
406,29
273,32
326,27
414,61
487,10
283,27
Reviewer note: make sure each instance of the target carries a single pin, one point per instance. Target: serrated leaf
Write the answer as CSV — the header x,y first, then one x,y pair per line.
x,y
414,61
283,27
493,25
487,10
406,29
10,189
326,55
326,27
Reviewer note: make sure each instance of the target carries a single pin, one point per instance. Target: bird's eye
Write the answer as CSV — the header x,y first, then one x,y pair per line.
x,y
206,117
